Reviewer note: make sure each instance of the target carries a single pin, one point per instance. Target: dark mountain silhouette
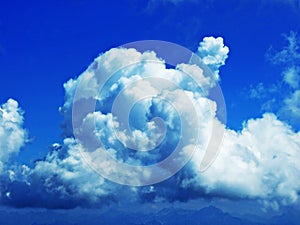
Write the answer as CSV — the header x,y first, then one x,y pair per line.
x,y
168,216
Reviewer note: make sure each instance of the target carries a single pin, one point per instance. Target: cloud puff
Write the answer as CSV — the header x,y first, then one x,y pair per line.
x,y
261,161
12,134
64,175
61,180
135,89
214,53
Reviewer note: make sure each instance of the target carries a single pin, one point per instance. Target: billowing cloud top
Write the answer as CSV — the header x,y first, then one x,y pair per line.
x,y
214,53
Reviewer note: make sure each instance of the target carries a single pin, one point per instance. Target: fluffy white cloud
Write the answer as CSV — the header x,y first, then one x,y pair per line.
x,y
214,53
139,86
259,162
65,173
136,79
107,64
12,134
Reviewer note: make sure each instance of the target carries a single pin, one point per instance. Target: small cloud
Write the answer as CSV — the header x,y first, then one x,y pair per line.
x,y
291,76
258,92
213,53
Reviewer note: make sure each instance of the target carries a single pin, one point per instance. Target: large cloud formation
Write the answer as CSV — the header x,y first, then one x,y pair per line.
x,y
259,162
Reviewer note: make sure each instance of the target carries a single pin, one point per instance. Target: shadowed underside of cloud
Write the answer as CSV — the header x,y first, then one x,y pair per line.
x,y
260,162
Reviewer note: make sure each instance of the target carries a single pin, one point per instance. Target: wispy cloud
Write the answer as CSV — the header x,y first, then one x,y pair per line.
x,y
289,59
281,96
289,55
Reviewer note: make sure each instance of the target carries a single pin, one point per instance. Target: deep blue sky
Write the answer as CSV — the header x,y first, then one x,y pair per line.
x,y
45,43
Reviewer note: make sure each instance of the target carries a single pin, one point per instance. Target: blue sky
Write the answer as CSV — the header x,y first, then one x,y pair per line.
x,y
45,44
49,43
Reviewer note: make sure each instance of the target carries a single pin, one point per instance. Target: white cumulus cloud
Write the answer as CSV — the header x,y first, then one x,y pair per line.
x,y
214,53
259,162
12,134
